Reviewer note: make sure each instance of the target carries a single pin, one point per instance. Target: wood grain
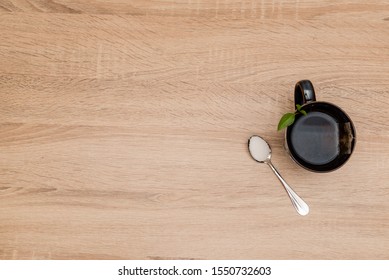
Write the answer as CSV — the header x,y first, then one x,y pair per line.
x,y
124,126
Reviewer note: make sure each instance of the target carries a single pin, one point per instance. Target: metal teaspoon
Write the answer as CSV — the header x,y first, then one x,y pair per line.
x,y
260,151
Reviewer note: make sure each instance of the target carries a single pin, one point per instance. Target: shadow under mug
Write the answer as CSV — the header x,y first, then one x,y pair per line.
x,y
324,139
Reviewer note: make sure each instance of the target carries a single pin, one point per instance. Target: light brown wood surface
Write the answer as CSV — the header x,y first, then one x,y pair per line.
x,y
124,125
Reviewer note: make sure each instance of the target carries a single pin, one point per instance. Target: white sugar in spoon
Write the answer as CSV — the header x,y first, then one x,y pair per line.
x,y
261,152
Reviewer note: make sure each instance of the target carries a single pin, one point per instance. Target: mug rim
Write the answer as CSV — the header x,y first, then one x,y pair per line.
x,y
322,168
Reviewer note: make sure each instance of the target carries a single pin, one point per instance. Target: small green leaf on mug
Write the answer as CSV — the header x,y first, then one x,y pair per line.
x,y
298,106
303,112
286,120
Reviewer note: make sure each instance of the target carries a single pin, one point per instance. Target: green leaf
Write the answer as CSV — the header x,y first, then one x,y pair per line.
x,y
303,112
286,120
298,106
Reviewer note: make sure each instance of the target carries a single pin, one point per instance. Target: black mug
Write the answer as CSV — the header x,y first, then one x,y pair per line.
x,y
324,139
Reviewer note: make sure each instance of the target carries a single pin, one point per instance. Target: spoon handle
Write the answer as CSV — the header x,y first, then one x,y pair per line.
x,y
299,204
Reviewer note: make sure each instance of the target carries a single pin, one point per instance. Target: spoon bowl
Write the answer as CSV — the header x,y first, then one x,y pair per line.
x,y
259,149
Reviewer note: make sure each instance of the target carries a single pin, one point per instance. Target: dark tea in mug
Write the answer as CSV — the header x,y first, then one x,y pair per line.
x,y
324,139
315,138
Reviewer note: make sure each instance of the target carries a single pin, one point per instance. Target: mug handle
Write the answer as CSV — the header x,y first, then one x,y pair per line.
x,y
304,92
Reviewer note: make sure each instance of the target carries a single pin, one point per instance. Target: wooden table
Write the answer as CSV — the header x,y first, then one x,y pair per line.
x,y
124,127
